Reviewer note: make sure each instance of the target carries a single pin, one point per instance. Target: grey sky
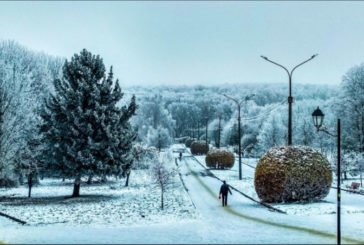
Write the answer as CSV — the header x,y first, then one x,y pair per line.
x,y
196,42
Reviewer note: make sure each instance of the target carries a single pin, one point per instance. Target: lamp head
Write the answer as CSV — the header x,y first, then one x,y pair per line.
x,y
264,57
318,118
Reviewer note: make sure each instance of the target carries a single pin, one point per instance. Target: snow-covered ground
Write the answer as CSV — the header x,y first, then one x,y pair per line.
x,y
114,214
351,203
98,204
318,215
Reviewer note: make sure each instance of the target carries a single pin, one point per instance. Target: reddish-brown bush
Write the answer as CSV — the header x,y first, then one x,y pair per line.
x,y
292,173
218,158
199,148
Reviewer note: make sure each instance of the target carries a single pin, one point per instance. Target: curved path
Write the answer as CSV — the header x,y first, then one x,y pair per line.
x,y
245,222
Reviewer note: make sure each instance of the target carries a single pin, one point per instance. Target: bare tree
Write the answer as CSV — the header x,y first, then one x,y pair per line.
x,y
162,176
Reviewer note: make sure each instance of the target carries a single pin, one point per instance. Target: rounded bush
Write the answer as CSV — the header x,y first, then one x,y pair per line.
x,y
7,182
199,148
218,158
189,142
292,173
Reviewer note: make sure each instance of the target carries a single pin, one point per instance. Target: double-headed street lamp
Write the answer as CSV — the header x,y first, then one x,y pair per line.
x,y
318,118
290,98
238,103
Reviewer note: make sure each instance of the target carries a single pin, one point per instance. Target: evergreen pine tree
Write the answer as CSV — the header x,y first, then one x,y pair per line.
x,y
84,132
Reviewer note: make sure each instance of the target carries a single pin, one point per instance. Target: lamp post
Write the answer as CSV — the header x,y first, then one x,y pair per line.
x,y
318,118
238,103
290,98
207,125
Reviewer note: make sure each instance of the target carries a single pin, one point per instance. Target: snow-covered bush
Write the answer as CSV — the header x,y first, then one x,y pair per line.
x,y
199,148
189,142
143,156
292,173
181,140
218,158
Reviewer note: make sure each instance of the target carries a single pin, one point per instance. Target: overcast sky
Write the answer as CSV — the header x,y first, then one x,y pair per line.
x,y
161,42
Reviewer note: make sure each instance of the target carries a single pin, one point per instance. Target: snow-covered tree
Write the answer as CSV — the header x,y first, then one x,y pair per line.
x,y
272,133
159,138
24,81
351,109
84,132
185,115
151,116
162,173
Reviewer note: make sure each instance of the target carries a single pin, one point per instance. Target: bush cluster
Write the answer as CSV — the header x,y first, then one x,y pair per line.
x,y
218,158
291,174
199,148
189,141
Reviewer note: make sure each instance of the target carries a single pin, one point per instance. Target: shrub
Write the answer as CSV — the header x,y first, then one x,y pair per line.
x,y
199,147
292,173
189,142
7,182
218,158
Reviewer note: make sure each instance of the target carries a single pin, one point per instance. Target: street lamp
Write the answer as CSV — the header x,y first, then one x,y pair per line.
x,y
207,125
238,103
318,118
290,98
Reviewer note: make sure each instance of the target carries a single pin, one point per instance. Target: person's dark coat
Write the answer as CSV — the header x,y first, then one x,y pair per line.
x,y
225,189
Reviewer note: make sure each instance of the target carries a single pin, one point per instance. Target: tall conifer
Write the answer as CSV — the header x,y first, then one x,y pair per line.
x,y
84,131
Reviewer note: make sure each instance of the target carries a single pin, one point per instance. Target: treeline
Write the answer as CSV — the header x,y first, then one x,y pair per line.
x,y
168,112
188,111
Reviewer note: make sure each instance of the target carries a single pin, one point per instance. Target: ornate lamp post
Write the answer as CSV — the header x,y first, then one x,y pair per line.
x,y
318,118
290,98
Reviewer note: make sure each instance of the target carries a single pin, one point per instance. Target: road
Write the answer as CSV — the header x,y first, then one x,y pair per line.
x,y
244,221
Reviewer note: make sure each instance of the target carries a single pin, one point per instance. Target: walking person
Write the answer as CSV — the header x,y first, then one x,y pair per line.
x,y
224,190
180,156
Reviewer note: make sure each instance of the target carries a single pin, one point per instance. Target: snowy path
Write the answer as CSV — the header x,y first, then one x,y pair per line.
x,y
244,217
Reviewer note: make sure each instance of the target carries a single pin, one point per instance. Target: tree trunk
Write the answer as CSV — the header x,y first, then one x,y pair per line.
x,y
89,180
76,187
21,179
162,200
127,179
361,178
30,184
103,178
